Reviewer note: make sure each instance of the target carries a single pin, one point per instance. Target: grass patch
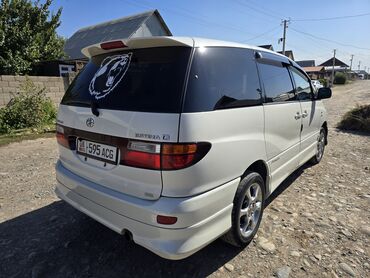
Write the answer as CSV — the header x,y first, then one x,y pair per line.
x,y
27,134
357,119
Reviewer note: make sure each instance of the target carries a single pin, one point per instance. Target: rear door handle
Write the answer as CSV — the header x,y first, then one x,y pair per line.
x,y
297,116
304,114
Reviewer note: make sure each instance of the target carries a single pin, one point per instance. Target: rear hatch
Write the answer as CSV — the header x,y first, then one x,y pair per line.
x,y
121,103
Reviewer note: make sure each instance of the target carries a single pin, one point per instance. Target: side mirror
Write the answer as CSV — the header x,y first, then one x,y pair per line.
x,y
324,93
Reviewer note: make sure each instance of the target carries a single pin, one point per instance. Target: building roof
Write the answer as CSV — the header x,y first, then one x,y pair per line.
x,y
267,46
306,63
288,53
338,63
144,24
313,69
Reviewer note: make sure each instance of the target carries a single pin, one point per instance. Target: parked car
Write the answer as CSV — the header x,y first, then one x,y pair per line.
x,y
316,84
175,142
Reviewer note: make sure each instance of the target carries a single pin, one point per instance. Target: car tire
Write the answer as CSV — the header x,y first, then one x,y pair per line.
x,y
247,210
320,148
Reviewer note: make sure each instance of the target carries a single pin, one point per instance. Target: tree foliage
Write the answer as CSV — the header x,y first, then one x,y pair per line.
x,y
28,35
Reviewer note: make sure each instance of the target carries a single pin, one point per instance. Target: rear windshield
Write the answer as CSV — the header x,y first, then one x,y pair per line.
x,y
146,80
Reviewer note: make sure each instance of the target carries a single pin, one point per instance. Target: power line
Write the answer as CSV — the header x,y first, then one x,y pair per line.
x,y
328,40
201,21
257,9
262,34
256,3
331,18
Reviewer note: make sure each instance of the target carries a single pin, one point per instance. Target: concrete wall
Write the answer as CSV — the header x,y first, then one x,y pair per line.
x,y
55,86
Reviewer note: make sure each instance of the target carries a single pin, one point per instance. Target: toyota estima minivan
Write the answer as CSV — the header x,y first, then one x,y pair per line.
x,y
175,142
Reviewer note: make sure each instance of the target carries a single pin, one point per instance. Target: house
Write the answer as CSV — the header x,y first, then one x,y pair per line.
x,y
315,72
338,65
144,24
288,53
306,63
267,46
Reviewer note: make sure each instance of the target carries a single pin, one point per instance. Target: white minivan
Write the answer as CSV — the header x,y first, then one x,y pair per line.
x,y
175,142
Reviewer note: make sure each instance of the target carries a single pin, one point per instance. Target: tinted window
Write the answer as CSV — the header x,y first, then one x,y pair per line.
x,y
149,80
302,84
276,81
222,78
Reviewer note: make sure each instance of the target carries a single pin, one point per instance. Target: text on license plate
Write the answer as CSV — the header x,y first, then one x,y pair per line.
x,y
97,150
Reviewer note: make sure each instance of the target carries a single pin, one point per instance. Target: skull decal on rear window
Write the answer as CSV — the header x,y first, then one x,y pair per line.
x,y
109,75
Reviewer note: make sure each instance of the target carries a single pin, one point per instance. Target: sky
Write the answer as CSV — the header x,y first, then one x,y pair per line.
x,y
312,32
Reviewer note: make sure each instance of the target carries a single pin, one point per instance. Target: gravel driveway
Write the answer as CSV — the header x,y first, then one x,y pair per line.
x,y
317,224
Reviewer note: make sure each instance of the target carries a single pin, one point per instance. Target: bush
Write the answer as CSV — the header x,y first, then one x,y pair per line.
x,y
340,78
324,82
356,119
28,108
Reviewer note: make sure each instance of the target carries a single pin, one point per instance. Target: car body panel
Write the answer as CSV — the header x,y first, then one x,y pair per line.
x,y
143,183
200,218
282,139
229,155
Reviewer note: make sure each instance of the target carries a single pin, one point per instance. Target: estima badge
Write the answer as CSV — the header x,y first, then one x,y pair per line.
x,y
90,122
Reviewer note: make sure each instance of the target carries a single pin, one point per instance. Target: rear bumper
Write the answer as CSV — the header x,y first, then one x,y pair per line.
x,y
201,219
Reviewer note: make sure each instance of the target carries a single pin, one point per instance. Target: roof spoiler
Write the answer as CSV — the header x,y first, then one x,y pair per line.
x,y
147,42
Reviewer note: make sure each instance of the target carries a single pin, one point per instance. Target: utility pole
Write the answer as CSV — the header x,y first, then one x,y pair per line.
x,y
350,67
332,71
359,65
285,24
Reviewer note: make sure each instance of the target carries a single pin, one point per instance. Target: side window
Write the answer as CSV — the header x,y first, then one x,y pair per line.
x,y
222,77
302,83
276,81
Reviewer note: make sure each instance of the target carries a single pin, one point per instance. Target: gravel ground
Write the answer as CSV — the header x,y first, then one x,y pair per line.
x,y
316,225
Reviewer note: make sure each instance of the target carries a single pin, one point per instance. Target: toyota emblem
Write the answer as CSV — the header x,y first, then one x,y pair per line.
x,y
90,122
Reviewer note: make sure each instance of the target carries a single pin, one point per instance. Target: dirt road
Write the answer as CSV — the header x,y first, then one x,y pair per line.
x,y
317,225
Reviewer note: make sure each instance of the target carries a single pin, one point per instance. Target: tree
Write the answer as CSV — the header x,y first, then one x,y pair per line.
x,y
28,35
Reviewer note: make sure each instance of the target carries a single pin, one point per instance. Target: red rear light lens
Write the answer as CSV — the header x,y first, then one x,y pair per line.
x,y
166,220
142,160
173,162
179,156
156,156
62,139
142,154
112,45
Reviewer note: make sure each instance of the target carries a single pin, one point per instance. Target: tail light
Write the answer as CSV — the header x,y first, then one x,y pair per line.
x,y
158,156
112,45
166,220
179,156
141,154
62,139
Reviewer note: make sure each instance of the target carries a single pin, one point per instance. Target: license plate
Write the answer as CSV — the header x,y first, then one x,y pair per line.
x,y
97,151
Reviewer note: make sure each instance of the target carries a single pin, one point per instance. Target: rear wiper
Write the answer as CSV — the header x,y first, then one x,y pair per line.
x,y
75,102
94,108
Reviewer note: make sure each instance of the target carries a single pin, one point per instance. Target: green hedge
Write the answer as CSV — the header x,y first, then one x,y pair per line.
x,y
340,78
